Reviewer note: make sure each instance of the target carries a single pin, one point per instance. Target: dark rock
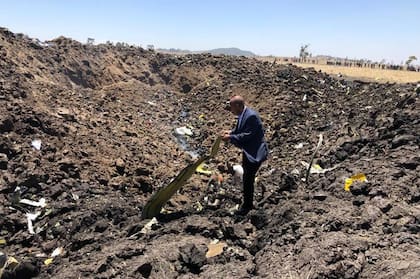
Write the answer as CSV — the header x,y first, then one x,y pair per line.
x,y
102,268
410,164
229,232
6,125
360,188
257,245
192,258
69,167
56,190
341,155
383,204
34,180
202,226
131,252
101,226
3,161
33,121
363,225
413,228
358,201
142,171
79,242
145,270
259,219
288,183
415,198
105,264
49,246
400,140
145,184
186,88
377,191
347,147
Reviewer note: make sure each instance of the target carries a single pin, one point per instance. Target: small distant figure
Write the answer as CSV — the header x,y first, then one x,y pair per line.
x,y
248,135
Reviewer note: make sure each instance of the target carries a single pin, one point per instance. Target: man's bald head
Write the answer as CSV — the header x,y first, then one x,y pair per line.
x,y
237,104
237,100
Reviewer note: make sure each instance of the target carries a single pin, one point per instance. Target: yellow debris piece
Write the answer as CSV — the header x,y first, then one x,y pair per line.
x,y
201,169
48,261
11,262
317,167
2,241
357,177
215,249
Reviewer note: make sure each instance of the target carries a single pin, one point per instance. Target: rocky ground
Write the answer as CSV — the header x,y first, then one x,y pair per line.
x,y
105,117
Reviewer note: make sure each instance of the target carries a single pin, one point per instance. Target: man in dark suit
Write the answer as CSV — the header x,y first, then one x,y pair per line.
x,y
248,135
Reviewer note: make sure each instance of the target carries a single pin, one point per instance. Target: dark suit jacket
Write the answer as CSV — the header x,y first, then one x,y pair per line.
x,y
249,136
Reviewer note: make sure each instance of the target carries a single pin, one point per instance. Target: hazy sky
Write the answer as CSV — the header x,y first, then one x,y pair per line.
x,y
372,29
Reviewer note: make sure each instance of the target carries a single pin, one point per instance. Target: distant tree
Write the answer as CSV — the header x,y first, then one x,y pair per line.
x,y
303,52
410,59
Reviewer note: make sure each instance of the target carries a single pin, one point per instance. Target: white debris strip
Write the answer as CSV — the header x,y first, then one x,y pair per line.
x,y
57,251
317,169
183,131
41,203
298,146
32,217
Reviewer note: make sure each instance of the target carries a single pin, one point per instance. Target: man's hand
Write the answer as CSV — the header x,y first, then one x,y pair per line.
x,y
225,136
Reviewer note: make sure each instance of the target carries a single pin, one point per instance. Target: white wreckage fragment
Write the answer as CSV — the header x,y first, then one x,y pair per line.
x,y
30,218
148,227
298,146
238,173
41,203
316,168
36,143
57,251
183,131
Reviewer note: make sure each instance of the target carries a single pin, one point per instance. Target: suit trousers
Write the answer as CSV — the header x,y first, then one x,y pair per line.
x,y
250,170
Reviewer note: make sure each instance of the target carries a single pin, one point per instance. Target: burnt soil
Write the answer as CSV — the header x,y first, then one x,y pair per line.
x,y
106,116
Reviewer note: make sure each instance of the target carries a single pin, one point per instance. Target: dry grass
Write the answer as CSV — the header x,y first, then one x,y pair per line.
x,y
369,74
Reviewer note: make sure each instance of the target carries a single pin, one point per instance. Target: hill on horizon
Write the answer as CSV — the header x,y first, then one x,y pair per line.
x,y
231,51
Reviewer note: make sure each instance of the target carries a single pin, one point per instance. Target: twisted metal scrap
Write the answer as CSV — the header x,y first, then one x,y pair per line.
x,y
158,200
